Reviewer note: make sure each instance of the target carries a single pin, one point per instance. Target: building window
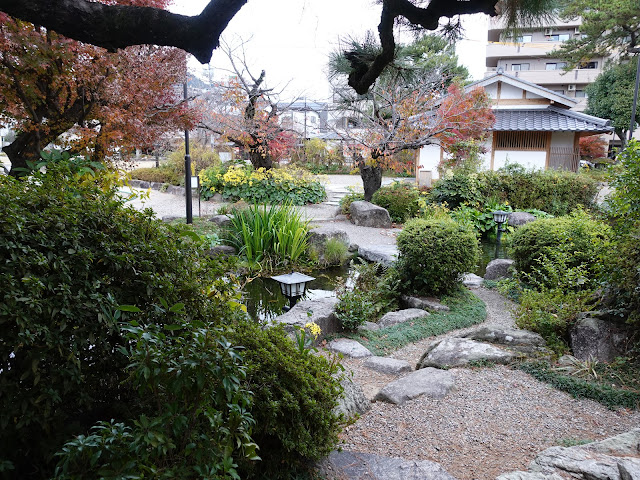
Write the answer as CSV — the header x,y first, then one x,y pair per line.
x,y
516,67
555,65
588,65
561,92
562,37
524,39
520,140
581,94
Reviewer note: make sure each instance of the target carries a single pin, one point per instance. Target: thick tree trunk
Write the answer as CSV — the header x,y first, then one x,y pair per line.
x,y
371,179
260,159
25,148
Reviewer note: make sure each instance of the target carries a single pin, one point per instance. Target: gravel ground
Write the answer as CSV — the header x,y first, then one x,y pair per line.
x,y
495,420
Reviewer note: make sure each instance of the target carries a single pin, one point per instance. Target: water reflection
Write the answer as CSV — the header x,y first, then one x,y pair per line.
x,y
488,253
264,301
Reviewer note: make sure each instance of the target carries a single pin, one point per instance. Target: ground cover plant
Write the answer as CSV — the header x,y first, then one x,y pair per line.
x,y
102,306
465,310
274,186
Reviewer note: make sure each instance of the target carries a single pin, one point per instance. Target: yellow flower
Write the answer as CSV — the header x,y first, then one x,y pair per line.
x,y
314,329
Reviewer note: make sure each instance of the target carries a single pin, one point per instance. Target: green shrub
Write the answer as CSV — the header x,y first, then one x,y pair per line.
x,y
335,252
624,200
159,175
400,199
354,308
577,241
434,254
71,254
554,191
455,189
276,186
348,199
293,399
196,410
623,274
276,234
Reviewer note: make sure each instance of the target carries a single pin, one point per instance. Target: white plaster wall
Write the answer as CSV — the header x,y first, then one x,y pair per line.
x,y
510,92
429,160
492,90
562,139
532,95
529,160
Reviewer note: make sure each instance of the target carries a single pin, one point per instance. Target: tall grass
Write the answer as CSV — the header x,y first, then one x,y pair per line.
x,y
277,234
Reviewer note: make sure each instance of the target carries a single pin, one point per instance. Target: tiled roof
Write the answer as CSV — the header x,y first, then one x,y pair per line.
x,y
550,119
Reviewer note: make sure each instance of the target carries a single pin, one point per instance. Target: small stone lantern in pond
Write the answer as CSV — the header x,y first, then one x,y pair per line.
x,y
500,217
293,285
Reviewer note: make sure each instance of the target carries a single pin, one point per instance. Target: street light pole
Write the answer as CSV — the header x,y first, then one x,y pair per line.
x,y
187,169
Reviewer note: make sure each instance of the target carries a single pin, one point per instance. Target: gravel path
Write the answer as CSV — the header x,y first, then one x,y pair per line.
x,y
495,420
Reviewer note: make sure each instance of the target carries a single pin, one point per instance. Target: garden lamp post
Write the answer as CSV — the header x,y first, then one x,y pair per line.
x,y
292,285
500,217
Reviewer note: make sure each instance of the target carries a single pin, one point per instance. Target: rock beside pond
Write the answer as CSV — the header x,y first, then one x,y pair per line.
x,y
387,365
221,220
384,254
319,236
349,348
425,303
401,316
368,466
353,401
603,340
429,381
366,214
320,311
517,219
498,268
457,352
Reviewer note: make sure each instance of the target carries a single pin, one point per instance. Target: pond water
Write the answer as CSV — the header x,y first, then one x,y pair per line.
x,y
264,301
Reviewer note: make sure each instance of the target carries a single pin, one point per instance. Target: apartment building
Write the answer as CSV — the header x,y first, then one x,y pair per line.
x,y
526,57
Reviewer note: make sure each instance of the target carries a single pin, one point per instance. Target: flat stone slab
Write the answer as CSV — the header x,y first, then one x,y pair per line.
x,y
384,254
387,365
505,336
349,348
401,316
472,280
457,352
425,303
431,382
528,476
320,311
367,466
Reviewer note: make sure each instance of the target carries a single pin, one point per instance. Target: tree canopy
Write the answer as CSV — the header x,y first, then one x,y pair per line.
x,y
117,26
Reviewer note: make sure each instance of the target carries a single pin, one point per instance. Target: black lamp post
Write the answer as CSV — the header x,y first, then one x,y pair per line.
x,y
292,285
500,217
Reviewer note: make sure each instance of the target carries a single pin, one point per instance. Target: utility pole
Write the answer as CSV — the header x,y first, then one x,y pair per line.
x,y
187,168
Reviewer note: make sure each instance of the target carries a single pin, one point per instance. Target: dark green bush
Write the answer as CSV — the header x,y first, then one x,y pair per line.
x,y
434,254
400,199
294,394
623,273
573,241
557,192
71,254
348,199
160,175
456,189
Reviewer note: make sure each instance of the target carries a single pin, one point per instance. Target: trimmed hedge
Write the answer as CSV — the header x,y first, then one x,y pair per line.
x,y
400,199
434,254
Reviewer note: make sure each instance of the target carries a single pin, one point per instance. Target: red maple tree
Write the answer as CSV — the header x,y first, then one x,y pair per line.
x,y
592,147
53,89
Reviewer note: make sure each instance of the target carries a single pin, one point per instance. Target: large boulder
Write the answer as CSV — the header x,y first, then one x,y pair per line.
x,y
368,466
498,268
390,366
349,348
425,303
384,254
471,280
366,214
429,381
603,340
319,236
320,311
456,352
353,401
517,219
401,316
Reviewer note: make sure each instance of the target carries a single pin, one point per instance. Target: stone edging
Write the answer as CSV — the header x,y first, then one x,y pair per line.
x,y
161,187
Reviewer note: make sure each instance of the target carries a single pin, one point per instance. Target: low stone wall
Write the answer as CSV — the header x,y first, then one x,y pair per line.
x,y
161,187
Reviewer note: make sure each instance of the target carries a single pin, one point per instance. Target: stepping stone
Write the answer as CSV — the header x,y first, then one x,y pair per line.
x,y
367,466
388,365
456,352
505,336
401,316
384,254
431,382
349,348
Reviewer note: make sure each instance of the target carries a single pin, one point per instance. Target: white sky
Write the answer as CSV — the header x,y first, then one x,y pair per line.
x,y
291,39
